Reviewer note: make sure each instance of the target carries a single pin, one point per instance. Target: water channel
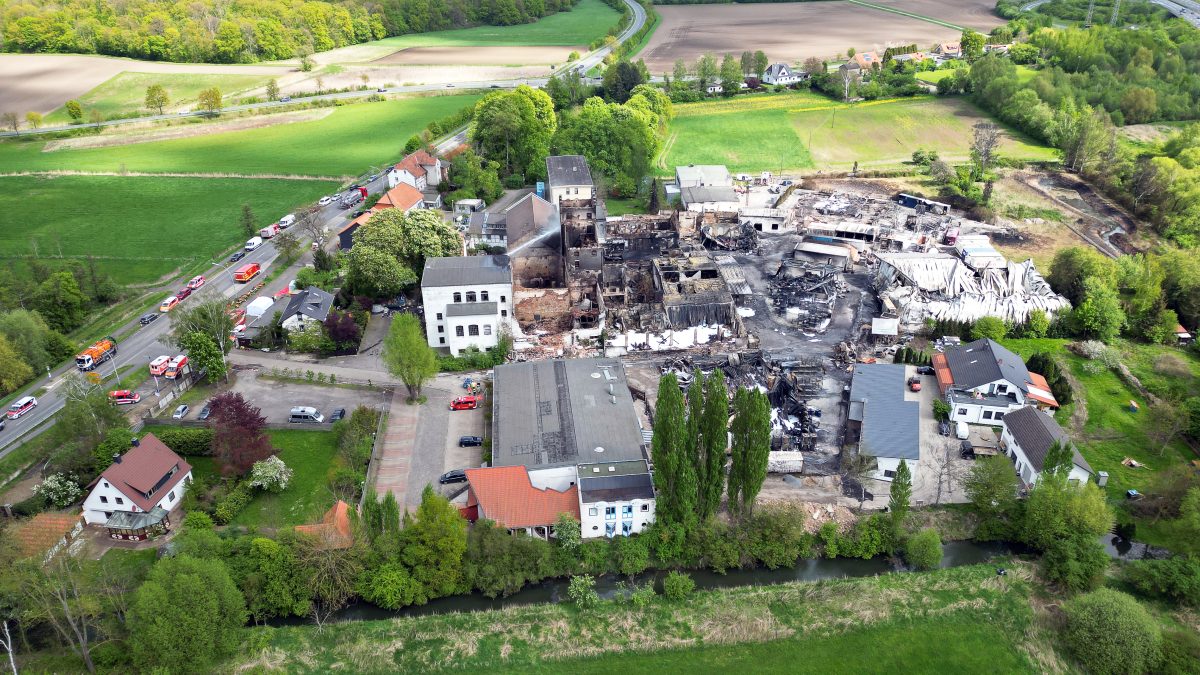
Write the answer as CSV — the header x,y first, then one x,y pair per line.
x,y
954,554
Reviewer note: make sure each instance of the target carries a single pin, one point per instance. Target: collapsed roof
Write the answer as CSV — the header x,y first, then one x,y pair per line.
x,y
919,286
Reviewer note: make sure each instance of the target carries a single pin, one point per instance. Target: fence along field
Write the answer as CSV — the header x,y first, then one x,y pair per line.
x,y
806,131
139,229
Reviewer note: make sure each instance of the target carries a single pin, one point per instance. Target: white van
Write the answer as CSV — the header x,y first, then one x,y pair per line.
x,y
253,243
305,415
286,221
21,406
961,431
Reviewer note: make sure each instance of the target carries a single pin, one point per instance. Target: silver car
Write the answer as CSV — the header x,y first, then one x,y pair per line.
x,y
181,412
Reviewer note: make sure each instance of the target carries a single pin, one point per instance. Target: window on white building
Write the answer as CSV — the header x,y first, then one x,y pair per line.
x,y
987,414
645,507
483,297
473,330
103,499
171,496
487,330
999,415
441,329
120,501
592,511
470,296
610,512
439,316
962,411
458,297
627,510
889,474
502,299
441,341
504,312
105,483
458,330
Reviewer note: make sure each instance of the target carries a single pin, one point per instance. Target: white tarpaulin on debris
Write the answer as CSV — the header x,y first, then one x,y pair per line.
x,y
621,343
919,286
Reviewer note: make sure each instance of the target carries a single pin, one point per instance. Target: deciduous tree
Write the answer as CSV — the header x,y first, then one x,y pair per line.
x,y
408,356
239,434
74,110
204,355
156,97
901,496
190,604
10,120
272,90
706,70
33,119
760,63
288,245
731,76
209,101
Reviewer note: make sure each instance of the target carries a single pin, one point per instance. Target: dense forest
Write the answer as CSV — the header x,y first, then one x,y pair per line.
x,y
1076,10
241,31
1093,81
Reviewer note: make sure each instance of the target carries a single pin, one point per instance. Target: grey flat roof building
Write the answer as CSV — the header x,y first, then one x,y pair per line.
x,y
460,271
890,424
562,412
615,482
567,170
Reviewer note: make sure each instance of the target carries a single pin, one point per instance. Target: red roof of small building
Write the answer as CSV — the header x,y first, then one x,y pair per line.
x,y
137,473
1039,390
416,163
941,368
334,529
403,197
506,495
36,535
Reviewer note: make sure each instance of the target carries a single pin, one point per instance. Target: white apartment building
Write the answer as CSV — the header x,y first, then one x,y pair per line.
x,y
468,301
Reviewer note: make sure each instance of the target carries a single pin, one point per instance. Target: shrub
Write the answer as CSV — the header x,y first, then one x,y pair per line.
x,y
582,591
190,442
1176,579
1109,632
596,556
1077,562
924,550
270,474
232,504
1180,653
29,507
643,595
59,489
678,586
197,520
633,555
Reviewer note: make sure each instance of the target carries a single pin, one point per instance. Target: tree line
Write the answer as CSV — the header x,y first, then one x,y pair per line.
x,y
1093,81
244,31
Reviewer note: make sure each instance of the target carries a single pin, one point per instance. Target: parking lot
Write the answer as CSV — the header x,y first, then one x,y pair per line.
x,y
276,399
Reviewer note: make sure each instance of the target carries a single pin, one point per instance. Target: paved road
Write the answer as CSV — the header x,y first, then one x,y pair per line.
x,y
582,66
147,342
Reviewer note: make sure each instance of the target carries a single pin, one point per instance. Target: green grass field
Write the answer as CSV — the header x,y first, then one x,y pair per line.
x,y
309,454
126,92
1024,74
957,620
806,131
139,228
346,142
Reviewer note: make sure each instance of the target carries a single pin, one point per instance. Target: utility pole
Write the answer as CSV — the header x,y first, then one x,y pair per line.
x,y
1116,11
1091,9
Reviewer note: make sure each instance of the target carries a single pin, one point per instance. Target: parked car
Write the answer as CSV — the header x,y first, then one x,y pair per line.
x,y
961,431
381,89
183,293
286,99
914,383
237,256
925,370
465,403
205,412
944,428
147,318
325,201
180,412
338,414
196,282
470,441
966,450
453,476
372,178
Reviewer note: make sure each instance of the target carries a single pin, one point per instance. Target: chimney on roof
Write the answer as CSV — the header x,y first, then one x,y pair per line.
x,y
134,442
117,458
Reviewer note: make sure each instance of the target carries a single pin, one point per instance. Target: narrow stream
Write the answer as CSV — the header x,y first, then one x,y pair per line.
x,y
954,554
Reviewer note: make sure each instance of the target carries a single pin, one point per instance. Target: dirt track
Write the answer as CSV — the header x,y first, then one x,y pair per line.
x,y
478,56
792,32
43,82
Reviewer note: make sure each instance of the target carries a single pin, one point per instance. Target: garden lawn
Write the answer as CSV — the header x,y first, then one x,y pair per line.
x,y
1024,74
620,207
781,132
588,21
139,228
125,94
309,454
347,142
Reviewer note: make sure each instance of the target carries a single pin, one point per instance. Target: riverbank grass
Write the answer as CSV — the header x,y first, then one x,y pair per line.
x,y
966,619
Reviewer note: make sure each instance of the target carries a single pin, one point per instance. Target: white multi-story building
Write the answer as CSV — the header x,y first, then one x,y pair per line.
x,y
468,301
982,381
1027,438
615,498
568,177
133,496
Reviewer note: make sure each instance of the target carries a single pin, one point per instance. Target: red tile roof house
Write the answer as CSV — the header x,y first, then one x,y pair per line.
x,y
420,170
45,534
507,496
133,497
982,381
403,196
334,530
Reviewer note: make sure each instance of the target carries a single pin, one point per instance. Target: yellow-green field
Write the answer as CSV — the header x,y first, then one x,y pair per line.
x,y
125,94
802,131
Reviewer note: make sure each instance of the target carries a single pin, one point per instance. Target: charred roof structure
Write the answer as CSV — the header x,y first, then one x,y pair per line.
x,y
692,291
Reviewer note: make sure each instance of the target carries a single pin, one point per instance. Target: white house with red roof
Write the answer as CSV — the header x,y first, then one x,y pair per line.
x,y
982,381
508,496
420,170
133,496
